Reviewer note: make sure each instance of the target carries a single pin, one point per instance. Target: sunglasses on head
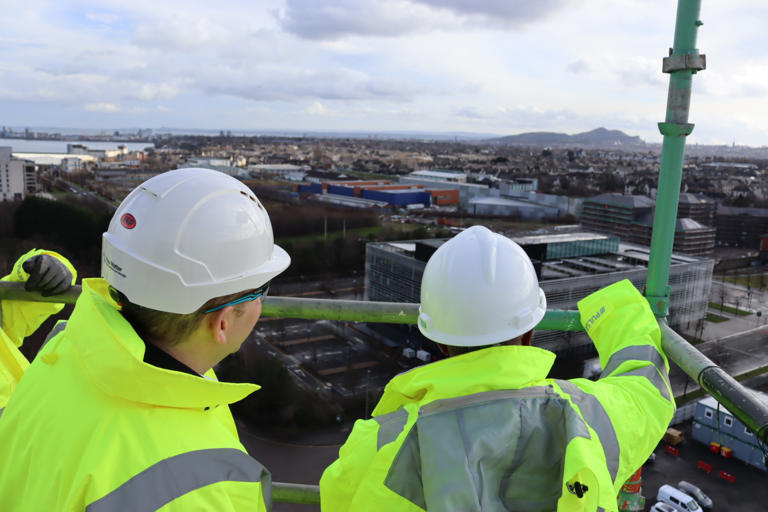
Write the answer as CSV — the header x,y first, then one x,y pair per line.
x,y
253,295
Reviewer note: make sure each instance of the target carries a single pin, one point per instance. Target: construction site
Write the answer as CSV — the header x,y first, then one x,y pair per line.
x,y
333,342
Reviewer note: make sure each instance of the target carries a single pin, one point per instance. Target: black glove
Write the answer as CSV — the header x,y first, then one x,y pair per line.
x,y
47,275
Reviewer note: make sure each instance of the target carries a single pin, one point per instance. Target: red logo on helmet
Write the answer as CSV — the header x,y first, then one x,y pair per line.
x,y
128,221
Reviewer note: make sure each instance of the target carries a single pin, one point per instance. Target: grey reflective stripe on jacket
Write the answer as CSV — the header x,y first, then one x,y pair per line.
x,y
594,412
657,373
176,476
494,451
60,326
390,426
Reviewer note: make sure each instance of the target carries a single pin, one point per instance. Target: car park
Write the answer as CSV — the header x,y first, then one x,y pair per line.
x,y
677,499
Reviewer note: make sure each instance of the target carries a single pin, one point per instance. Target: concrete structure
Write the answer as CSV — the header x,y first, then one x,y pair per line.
x,y
440,175
698,208
518,186
631,219
17,177
616,214
713,423
741,227
570,265
508,207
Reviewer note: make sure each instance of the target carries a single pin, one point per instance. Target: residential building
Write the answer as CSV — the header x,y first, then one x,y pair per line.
x,y
17,177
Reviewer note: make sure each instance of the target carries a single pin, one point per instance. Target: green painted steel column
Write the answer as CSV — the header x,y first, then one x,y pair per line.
x,y
683,62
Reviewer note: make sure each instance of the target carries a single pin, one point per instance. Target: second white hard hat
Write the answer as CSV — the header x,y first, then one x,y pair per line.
x,y
479,288
186,236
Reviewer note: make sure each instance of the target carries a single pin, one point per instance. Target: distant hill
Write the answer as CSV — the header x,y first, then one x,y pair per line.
x,y
600,137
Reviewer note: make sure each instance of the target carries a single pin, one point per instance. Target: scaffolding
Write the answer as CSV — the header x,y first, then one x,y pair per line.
x,y
682,63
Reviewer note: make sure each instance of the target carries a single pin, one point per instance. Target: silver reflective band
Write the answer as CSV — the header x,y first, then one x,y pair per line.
x,y
651,374
390,426
598,419
641,353
497,450
60,326
176,476
634,353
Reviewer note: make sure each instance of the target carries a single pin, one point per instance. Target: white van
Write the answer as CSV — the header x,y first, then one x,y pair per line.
x,y
678,499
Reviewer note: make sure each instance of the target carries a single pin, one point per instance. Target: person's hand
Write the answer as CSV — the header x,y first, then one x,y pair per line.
x,y
47,275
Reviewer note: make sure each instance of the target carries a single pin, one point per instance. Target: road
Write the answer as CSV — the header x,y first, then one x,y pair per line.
x,y
90,195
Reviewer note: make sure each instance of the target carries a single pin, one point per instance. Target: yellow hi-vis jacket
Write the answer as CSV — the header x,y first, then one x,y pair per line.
x,y
487,431
19,319
93,427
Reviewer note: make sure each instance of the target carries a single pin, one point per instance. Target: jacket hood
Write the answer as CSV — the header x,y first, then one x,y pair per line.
x,y
111,354
504,367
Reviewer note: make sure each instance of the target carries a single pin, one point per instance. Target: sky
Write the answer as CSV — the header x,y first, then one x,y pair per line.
x,y
484,66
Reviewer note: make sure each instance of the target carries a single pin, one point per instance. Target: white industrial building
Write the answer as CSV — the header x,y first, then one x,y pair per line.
x,y
570,266
17,177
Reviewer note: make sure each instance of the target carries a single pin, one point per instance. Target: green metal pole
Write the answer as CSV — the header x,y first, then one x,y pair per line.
x,y
318,309
296,493
683,62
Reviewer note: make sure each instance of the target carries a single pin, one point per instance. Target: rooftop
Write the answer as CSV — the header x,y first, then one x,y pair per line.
x,y
624,200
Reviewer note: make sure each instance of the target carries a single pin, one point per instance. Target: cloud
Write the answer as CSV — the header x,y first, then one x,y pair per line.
x,y
105,108
754,90
182,33
494,12
317,109
470,113
106,18
578,67
310,19
291,84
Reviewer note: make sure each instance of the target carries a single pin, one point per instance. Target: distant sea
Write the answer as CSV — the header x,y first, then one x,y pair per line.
x,y
60,146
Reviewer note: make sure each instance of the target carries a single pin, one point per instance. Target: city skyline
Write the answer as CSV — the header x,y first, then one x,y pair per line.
x,y
497,67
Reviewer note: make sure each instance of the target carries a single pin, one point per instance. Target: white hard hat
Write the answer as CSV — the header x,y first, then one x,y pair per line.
x,y
187,236
479,288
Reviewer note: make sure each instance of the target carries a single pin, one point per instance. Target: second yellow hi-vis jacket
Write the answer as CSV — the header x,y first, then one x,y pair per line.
x,y
487,431
92,427
19,319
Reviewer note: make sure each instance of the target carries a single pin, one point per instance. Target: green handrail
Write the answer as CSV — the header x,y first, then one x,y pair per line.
x,y
296,493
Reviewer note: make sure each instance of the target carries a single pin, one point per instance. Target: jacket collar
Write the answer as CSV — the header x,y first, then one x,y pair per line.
x,y
111,354
504,367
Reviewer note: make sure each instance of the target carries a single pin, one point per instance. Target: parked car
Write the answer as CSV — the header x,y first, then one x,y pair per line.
x,y
677,499
662,507
690,489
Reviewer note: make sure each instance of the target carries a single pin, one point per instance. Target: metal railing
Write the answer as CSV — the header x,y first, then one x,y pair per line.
x,y
682,63
734,397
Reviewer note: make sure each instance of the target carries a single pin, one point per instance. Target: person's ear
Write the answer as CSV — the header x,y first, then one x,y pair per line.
x,y
220,323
